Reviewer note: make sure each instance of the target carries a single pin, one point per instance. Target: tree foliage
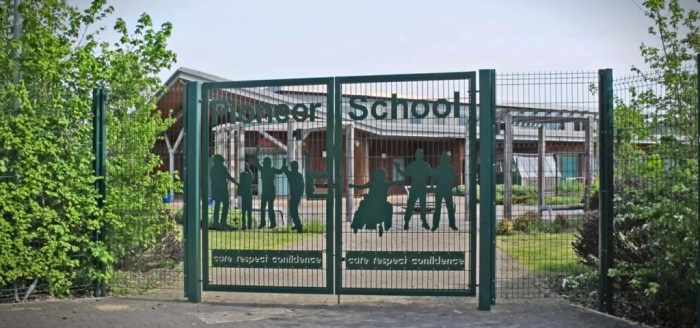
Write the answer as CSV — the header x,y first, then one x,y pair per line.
x,y
48,211
656,177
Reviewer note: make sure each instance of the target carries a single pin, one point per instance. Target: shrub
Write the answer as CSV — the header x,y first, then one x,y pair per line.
x,y
234,218
166,251
561,220
524,221
504,227
586,240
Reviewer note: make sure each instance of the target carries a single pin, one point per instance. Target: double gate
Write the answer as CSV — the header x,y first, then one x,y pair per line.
x,y
346,185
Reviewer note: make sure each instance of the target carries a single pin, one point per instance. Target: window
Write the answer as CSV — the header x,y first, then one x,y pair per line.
x,y
463,117
401,164
554,126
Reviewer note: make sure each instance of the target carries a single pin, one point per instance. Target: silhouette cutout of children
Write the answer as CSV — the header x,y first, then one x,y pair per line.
x,y
219,178
267,198
374,212
245,190
445,179
296,190
419,171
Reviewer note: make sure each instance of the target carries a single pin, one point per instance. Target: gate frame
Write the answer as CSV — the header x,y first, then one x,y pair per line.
x,y
338,153
196,187
206,88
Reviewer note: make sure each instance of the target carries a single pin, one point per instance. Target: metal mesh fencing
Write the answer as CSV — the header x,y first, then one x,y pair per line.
x,y
546,174
655,192
144,195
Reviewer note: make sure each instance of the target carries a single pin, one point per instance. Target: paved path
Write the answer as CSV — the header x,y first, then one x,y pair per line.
x,y
274,310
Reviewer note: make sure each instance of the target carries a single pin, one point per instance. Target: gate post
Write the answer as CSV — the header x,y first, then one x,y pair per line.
x,y
99,147
606,191
487,210
193,120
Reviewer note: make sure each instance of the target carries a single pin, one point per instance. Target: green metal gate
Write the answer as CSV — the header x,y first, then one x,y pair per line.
x,y
264,145
399,229
349,185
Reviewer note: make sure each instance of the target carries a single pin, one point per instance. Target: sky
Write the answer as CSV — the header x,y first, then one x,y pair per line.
x,y
268,39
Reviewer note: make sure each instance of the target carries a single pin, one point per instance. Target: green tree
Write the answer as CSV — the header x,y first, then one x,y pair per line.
x,y
656,196
48,210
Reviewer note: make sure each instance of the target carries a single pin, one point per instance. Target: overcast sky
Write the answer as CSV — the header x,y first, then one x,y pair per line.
x,y
245,40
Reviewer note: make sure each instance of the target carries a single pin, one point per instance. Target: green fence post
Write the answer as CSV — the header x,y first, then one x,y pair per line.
x,y
697,261
99,146
605,295
193,123
487,210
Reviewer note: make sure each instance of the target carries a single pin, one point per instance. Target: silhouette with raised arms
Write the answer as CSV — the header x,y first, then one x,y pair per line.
x,y
374,212
245,190
267,197
419,171
296,190
219,178
445,179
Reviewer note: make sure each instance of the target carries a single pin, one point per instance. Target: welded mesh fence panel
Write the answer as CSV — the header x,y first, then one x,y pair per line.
x,y
546,174
144,197
267,180
656,194
405,227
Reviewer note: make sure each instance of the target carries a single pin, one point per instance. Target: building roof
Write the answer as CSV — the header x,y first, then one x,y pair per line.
x,y
523,116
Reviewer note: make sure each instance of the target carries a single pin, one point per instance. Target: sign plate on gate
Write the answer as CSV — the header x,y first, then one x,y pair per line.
x,y
231,258
433,261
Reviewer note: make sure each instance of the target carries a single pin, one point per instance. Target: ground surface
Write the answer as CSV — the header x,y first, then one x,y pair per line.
x,y
274,310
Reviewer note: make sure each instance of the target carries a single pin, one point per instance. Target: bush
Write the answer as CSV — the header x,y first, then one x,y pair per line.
x,y
655,233
586,242
504,227
166,251
234,218
525,221
561,220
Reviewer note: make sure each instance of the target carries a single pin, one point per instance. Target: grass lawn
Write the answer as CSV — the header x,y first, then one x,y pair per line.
x,y
256,239
542,253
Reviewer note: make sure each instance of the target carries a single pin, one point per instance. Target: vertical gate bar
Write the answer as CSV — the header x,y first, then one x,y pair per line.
x,y
605,299
487,189
206,124
697,261
472,181
349,171
192,197
333,221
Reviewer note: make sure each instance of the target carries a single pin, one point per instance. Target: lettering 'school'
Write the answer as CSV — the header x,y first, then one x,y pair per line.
x,y
379,109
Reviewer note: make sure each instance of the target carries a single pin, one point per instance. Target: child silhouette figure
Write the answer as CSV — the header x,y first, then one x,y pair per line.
x,y
374,212
296,190
219,178
267,197
245,190
446,178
